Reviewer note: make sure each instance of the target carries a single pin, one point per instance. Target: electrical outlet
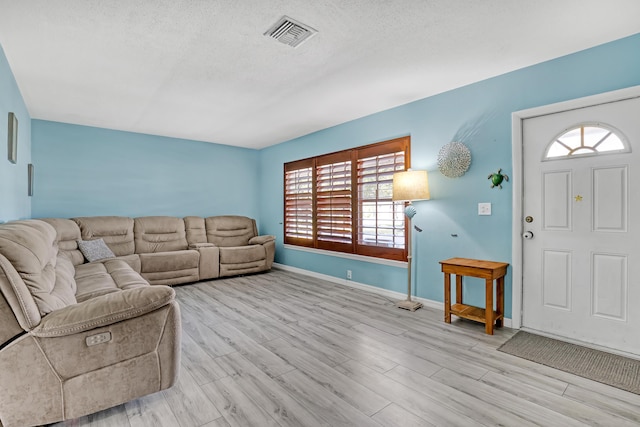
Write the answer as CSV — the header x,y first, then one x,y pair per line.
x,y
484,208
348,274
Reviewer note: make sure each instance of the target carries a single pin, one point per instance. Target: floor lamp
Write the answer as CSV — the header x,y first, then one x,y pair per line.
x,y
408,186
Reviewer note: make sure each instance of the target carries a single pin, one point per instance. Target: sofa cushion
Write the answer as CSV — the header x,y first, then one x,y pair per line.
x,y
68,234
94,250
230,230
30,247
116,231
133,260
64,289
123,275
242,254
195,229
171,268
159,234
66,286
101,278
169,261
93,280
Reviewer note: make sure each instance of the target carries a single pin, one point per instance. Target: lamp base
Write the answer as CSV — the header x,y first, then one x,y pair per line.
x,y
409,305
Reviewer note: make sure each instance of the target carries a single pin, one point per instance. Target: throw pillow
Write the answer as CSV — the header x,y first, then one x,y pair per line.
x,y
94,250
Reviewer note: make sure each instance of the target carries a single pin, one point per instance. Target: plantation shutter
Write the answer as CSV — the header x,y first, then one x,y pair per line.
x,y
343,201
381,221
298,200
334,229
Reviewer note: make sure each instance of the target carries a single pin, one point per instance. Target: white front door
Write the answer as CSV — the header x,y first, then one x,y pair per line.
x,y
581,217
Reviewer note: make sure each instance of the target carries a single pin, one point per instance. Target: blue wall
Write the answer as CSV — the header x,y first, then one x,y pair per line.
x,y
14,202
85,171
90,171
478,115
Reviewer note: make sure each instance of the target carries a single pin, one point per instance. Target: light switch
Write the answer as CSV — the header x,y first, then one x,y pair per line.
x,y
484,208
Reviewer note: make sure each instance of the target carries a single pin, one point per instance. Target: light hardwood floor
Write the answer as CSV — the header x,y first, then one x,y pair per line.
x,y
282,349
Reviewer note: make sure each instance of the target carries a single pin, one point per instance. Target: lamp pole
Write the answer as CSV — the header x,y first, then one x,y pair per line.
x,y
408,304
410,185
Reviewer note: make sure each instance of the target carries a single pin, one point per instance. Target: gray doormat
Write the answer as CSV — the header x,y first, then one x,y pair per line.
x,y
607,368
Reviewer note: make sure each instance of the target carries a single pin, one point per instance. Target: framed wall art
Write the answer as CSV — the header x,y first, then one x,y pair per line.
x,y
12,138
30,179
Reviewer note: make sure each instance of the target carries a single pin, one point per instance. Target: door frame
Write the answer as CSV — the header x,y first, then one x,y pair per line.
x,y
517,118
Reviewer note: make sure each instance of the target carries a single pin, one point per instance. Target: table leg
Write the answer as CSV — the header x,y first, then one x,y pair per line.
x,y
459,288
447,297
500,300
488,310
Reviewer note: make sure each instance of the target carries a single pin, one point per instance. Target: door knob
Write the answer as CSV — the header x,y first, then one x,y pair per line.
x,y
527,235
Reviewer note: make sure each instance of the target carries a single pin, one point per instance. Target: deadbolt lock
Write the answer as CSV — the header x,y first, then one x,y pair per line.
x,y
529,219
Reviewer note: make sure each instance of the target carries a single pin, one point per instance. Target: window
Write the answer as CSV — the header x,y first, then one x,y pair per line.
x,y
586,139
343,201
334,207
299,203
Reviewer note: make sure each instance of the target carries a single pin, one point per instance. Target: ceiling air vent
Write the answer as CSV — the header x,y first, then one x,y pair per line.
x,y
291,32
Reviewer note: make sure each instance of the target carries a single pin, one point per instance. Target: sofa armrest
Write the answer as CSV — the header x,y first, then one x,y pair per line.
x,y
103,310
201,245
261,240
209,263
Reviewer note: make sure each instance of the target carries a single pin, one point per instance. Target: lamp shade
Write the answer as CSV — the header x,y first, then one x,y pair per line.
x,y
411,185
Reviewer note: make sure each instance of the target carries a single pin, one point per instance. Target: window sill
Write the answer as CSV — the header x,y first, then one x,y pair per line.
x,y
363,258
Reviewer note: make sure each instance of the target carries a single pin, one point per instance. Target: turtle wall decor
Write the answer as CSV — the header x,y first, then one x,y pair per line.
x,y
497,178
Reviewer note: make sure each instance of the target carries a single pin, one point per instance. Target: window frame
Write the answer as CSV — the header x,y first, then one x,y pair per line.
x,y
352,155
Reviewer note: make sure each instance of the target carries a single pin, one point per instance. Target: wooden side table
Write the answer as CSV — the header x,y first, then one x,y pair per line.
x,y
488,270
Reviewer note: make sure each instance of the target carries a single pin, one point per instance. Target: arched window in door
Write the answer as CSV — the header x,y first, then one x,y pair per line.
x,y
587,139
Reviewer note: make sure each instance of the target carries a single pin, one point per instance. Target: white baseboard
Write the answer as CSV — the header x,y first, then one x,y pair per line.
x,y
438,305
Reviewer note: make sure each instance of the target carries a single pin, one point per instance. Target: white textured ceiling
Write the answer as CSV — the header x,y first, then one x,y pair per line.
x,y
202,69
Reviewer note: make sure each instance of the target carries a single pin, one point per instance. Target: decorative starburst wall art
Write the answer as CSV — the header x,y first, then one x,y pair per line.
x,y
454,159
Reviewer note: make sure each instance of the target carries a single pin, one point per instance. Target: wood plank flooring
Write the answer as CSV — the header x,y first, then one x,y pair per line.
x,y
282,349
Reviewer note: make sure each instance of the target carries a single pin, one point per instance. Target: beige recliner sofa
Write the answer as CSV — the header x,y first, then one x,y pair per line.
x,y
168,250
241,250
75,337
